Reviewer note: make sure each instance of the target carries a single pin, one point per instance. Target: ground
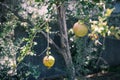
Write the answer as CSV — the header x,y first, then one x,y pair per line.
x,y
105,76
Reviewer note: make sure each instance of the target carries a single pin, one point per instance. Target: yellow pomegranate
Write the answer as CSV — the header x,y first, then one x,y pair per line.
x,y
48,61
80,29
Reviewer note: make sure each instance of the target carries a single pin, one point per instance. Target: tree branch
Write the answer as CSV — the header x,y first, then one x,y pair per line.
x,y
16,14
64,42
52,42
30,23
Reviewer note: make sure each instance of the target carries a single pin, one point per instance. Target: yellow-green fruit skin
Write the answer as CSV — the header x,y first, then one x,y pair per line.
x,y
80,29
48,61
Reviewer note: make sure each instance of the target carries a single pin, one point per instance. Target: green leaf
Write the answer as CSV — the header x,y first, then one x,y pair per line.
x,y
96,1
37,0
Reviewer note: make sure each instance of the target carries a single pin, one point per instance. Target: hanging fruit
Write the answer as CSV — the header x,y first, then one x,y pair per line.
x,y
80,29
48,61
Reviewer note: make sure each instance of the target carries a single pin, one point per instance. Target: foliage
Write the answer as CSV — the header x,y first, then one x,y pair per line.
x,y
12,46
85,51
101,27
27,71
7,47
88,50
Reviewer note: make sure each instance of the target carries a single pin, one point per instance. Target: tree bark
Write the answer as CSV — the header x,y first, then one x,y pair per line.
x,y
65,48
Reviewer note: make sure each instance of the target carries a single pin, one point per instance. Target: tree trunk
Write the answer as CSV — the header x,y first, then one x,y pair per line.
x,y
64,42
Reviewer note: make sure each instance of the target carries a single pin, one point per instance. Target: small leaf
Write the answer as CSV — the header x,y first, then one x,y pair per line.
x,y
37,0
25,39
108,12
35,43
47,30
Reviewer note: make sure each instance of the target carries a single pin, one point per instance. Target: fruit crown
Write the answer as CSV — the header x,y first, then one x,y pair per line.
x,y
80,21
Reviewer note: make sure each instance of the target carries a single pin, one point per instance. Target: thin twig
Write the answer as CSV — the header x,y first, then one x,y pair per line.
x,y
30,22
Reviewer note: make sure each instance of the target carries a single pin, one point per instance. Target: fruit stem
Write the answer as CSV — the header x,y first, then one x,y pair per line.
x,y
80,21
